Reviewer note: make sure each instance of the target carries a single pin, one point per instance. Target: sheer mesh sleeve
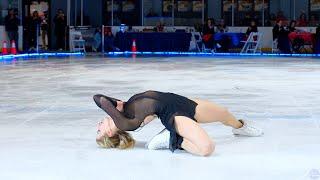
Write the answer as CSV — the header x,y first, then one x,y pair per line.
x,y
122,122
98,96
134,111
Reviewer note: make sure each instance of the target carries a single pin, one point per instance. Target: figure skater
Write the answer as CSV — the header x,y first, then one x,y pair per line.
x,y
180,116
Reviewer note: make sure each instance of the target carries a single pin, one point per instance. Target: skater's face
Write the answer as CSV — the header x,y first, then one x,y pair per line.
x,y
106,128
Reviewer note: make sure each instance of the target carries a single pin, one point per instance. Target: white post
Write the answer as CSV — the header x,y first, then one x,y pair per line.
x,y
81,12
294,9
203,9
75,12
37,39
263,13
102,43
142,13
172,12
68,12
112,13
232,16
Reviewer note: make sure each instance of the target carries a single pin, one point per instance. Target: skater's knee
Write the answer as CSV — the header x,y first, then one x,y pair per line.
x,y
207,148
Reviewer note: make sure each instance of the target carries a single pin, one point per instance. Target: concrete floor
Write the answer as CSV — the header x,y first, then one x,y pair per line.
x,y
48,118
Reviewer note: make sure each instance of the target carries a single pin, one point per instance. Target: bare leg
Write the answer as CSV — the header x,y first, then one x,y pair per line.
x,y
195,139
208,112
190,147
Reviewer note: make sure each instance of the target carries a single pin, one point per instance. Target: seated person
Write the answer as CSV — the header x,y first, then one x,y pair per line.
x,y
208,34
222,27
280,33
252,28
302,22
109,42
224,43
292,26
97,40
159,27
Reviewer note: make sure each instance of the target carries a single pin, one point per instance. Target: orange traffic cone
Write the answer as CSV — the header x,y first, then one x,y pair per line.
x,y
13,48
134,46
4,48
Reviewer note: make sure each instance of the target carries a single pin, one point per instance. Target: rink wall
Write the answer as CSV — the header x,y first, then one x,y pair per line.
x,y
266,42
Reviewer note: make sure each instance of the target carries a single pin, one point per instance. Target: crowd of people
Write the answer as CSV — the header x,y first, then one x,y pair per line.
x,y
222,45
280,33
37,26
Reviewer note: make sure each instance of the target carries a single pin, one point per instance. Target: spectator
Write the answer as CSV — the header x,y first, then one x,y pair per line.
x,y
252,28
44,30
159,27
222,27
280,33
97,40
34,28
60,28
224,42
109,42
292,26
12,26
208,33
302,20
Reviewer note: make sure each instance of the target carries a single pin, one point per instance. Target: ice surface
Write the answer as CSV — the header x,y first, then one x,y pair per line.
x,y
48,118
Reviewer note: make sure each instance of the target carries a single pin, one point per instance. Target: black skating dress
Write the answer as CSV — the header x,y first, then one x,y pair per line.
x,y
165,105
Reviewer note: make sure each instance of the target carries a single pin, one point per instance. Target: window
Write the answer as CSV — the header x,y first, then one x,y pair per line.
x,y
156,12
188,12
227,11
118,12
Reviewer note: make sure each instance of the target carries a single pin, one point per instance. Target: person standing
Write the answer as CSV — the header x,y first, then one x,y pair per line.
x,y
60,28
44,30
12,26
208,34
280,33
252,28
34,28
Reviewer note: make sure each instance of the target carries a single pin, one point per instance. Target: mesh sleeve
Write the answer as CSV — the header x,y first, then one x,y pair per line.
x,y
122,122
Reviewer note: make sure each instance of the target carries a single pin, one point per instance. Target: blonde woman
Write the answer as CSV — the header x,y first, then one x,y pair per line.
x,y
180,116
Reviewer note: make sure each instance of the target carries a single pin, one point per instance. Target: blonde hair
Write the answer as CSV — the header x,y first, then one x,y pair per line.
x,y
121,140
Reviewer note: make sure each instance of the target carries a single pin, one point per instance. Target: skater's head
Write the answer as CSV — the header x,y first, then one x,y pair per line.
x,y
109,136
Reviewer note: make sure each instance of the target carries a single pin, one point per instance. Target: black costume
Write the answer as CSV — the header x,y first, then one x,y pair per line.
x,y
165,105
281,33
59,30
12,27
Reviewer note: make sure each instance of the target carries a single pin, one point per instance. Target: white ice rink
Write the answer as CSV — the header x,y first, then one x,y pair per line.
x,y
48,118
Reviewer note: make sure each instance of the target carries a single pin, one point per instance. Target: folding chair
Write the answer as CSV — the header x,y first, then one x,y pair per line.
x,y
201,47
77,42
275,46
253,43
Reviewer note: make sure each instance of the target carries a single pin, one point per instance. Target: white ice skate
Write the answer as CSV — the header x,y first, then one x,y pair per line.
x,y
247,130
160,141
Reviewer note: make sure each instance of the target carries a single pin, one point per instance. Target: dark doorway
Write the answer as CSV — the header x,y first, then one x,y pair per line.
x,y
33,26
